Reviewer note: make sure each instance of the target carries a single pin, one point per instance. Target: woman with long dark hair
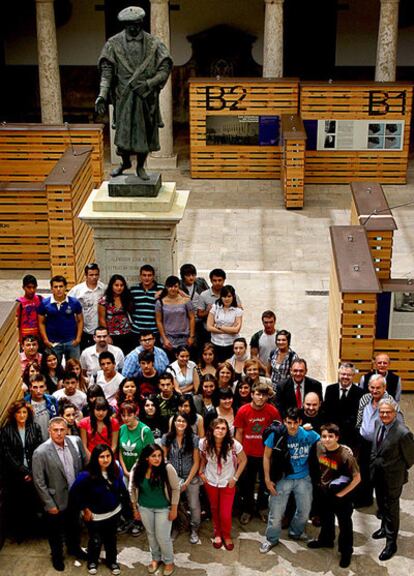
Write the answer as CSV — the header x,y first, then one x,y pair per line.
x,y
224,321
239,357
221,464
207,363
224,409
93,392
19,439
184,370
206,401
174,315
242,394
73,365
52,369
154,490
186,406
150,414
127,392
100,493
281,359
114,310
99,427
180,447
225,376
32,369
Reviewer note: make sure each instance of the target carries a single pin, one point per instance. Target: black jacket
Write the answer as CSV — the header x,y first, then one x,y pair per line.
x,y
13,452
285,393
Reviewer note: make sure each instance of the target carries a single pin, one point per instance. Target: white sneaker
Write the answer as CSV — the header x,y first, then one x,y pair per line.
x,y
266,546
193,537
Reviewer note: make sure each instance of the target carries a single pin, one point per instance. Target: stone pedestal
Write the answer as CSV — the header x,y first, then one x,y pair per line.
x,y
130,232
386,64
130,185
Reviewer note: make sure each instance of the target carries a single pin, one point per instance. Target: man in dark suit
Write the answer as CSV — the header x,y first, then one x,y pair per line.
x,y
391,457
341,405
56,463
291,392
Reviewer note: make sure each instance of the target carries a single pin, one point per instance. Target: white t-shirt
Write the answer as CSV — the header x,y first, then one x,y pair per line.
x,y
224,317
220,475
109,388
266,345
78,399
89,302
90,359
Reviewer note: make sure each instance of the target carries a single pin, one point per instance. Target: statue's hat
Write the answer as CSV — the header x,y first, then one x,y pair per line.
x,y
131,14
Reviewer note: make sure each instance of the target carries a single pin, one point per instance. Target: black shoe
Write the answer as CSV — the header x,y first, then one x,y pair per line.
x,y
345,560
363,503
79,554
141,173
378,534
115,569
388,552
319,544
118,171
58,564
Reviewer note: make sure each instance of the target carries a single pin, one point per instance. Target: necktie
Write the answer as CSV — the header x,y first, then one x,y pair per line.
x,y
381,434
298,396
343,393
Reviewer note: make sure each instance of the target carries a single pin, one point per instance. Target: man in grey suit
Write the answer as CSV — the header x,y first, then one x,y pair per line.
x,y
391,457
56,463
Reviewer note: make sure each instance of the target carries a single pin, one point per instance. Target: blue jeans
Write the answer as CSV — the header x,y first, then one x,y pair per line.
x,y
302,489
193,498
67,350
158,528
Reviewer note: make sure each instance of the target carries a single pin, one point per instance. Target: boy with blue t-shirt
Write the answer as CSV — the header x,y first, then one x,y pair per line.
x,y
297,442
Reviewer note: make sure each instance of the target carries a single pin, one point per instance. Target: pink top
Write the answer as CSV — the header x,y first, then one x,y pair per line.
x,y
100,437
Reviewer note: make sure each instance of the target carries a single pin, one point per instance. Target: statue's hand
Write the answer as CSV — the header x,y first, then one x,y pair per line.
x,y
100,105
142,88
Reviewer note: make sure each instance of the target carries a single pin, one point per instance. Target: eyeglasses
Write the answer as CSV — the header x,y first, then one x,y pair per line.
x,y
144,340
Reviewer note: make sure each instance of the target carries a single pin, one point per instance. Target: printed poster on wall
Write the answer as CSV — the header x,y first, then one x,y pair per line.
x,y
242,130
360,135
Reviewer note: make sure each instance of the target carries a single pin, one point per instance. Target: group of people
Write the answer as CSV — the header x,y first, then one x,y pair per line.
x,y
144,406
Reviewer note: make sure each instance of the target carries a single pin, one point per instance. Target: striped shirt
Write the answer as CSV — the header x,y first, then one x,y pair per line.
x,y
143,316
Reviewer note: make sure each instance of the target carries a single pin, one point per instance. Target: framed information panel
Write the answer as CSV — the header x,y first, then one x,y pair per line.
x,y
356,131
235,126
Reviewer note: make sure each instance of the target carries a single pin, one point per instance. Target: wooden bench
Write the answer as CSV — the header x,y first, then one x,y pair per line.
x,y
9,358
47,178
28,152
370,209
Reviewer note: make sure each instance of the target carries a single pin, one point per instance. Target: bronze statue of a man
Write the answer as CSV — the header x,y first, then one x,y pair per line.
x,y
134,66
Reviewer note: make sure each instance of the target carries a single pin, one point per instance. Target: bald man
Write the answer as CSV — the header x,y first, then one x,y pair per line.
x,y
381,365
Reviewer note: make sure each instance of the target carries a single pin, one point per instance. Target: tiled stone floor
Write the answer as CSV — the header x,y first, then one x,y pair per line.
x,y
272,257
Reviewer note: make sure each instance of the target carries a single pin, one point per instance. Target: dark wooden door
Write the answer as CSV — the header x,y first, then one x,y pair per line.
x,y
310,38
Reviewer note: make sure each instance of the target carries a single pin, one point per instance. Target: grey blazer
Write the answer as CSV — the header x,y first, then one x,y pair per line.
x,y
49,475
395,455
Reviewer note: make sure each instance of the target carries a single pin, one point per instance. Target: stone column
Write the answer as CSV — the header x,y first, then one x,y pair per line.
x,y
47,54
385,69
160,27
273,39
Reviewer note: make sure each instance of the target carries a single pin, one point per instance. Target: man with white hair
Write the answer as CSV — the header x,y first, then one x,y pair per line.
x,y
391,457
367,418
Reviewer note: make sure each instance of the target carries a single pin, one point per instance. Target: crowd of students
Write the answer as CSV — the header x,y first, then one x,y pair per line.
x,y
168,409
